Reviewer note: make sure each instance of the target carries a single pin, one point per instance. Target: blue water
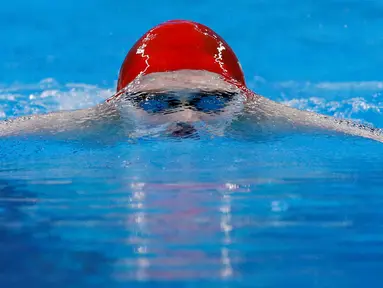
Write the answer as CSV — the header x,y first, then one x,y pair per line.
x,y
291,211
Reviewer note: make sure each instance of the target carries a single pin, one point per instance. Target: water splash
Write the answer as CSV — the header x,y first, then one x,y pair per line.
x,y
357,100
48,95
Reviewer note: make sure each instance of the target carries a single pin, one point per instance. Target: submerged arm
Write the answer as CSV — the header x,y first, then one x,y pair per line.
x,y
264,110
60,122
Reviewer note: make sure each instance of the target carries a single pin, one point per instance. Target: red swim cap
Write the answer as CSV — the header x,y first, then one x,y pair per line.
x,y
177,45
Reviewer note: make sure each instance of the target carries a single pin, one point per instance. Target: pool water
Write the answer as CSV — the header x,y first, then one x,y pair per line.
x,y
296,210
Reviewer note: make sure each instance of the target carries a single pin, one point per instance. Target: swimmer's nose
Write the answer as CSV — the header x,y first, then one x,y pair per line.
x,y
188,115
182,129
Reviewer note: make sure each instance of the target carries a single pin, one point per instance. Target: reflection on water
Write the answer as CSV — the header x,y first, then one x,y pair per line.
x,y
260,214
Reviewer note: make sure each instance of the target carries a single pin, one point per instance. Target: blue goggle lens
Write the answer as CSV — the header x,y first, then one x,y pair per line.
x,y
210,103
154,105
201,101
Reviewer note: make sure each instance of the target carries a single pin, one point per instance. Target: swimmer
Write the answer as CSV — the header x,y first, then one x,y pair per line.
x,y
178,77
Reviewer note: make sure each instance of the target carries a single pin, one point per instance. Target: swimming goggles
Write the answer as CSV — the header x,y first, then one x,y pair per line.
x,y
162,102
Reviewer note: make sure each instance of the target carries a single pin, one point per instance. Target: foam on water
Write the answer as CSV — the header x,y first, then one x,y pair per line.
x,y
357,100
48,95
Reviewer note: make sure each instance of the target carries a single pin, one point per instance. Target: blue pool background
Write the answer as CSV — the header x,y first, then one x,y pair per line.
x,y
302,211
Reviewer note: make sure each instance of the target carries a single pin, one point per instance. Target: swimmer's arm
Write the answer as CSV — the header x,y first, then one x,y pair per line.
x,y
263,110
59,122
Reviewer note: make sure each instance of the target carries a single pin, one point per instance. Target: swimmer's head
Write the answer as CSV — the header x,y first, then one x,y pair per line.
x,y
180,45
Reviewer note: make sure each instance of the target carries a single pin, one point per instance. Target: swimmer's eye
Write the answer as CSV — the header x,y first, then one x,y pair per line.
x,y
211,102
157,103
153,105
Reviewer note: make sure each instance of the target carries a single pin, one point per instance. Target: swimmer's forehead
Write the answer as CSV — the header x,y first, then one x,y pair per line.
x,y
181,80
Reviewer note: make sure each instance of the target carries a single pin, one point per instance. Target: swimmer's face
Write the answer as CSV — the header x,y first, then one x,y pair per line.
x,y
182,110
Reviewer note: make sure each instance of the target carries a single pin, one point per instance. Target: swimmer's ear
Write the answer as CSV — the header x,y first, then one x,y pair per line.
x,y
267,112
